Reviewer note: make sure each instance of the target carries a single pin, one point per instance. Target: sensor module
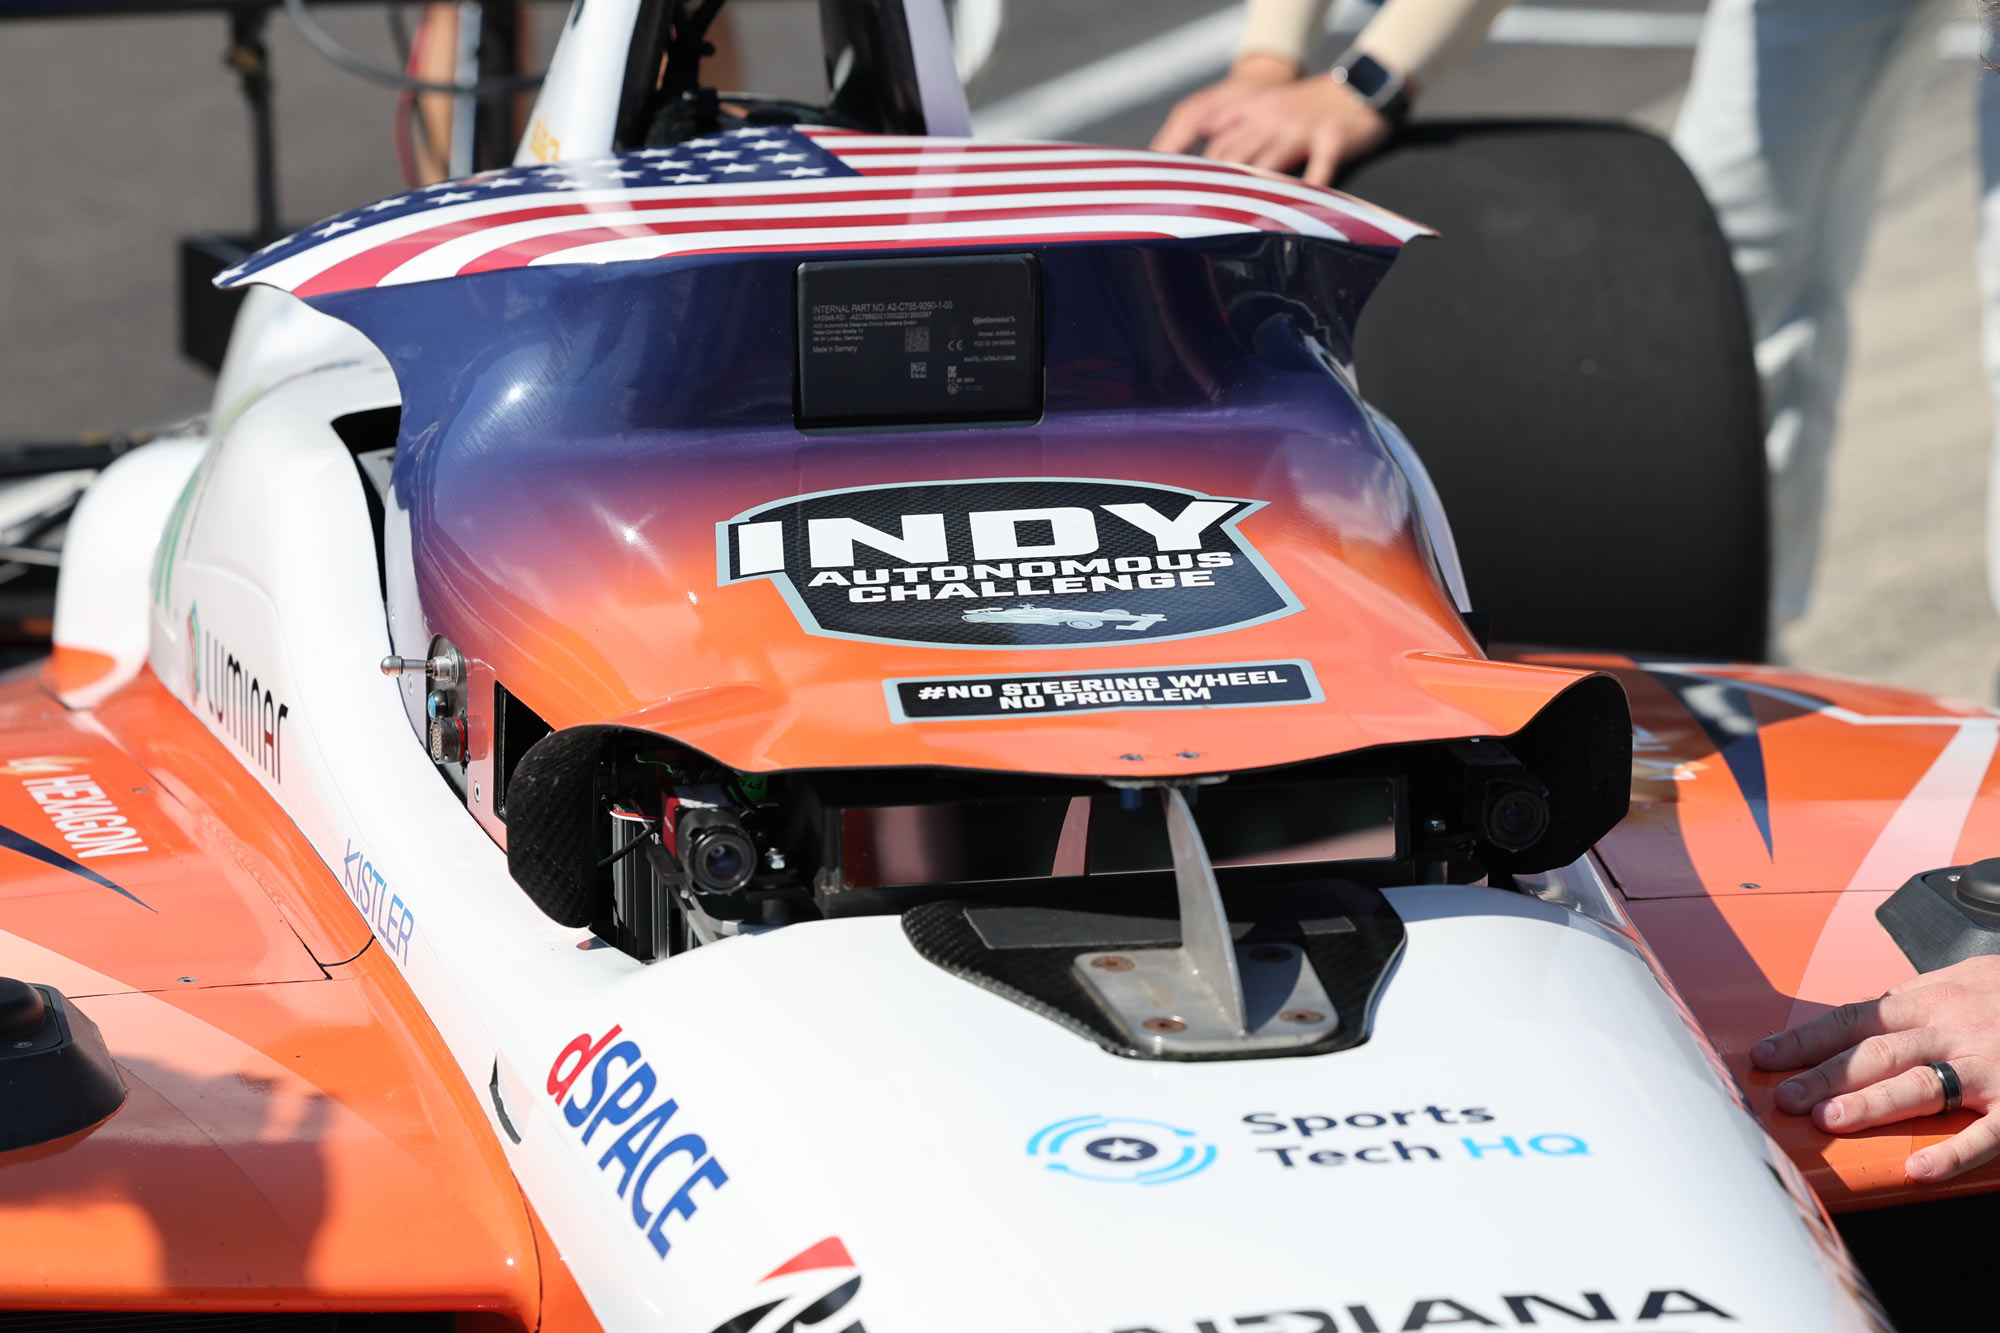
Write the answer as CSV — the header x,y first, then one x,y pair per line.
x,y
914,342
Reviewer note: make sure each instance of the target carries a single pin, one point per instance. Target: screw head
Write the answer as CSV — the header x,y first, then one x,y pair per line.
x,y
1270,953
1112,962
1187,754
1302,1016
22,1045
1132,758
185,981
1164,1025
1749,885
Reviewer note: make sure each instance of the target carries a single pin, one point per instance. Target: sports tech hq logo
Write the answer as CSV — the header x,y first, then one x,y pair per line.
x,y
1121,1150
1019,562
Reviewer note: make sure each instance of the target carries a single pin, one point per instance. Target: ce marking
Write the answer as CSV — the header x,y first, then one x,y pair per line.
x,y
955,345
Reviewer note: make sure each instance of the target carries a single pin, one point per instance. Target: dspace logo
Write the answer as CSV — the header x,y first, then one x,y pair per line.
x,y
1046,562
1121,1150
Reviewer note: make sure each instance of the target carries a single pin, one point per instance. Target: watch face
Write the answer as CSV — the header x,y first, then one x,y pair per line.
x,y
1373,83
1367,76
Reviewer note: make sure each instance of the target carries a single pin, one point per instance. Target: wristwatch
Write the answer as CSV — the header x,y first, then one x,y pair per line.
x,y
1374,83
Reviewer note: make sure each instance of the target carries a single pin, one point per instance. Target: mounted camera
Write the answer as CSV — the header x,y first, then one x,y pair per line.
x,y
1501,802
715,852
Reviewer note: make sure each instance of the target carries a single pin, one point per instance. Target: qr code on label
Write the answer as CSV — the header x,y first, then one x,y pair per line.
x,y
917,338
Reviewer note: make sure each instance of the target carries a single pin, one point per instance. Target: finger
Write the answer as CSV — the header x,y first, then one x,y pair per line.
x,y
1912,1093
1225,117
1870,1061
1974,1146
1281,153
1181,129
1324,156
1836,1030
1239,143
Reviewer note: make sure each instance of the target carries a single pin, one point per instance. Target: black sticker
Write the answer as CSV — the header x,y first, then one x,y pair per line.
x,y
1223,685
1042,562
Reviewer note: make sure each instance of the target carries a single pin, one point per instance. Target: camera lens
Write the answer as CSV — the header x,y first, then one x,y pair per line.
x,y
1516,818
720,858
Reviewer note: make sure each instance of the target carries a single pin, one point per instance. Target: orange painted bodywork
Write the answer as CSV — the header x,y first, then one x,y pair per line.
x,y
296,1135
1758,938
575,630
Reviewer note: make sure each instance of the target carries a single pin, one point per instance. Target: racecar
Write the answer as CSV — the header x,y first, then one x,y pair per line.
x,y
520,827
1078,618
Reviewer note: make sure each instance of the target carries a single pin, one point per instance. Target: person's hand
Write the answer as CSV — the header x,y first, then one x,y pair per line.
x,y
1313,121
1190,120
1871,1063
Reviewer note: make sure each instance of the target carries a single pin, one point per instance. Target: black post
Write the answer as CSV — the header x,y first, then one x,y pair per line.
x,y
251,61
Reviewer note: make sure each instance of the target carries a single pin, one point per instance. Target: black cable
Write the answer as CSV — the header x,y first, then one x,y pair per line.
x,y
399,33
355,63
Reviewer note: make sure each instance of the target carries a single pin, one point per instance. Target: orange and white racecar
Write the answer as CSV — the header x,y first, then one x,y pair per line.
x,y
598,795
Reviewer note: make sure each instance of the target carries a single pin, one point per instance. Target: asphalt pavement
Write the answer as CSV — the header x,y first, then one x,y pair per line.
x,y
122,135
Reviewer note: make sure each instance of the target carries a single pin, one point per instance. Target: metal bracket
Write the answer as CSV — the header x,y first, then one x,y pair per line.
x,y
1211,994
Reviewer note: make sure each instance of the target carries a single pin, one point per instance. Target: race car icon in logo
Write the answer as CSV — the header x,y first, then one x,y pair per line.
x,y
1076,618
1006,562
1121,1150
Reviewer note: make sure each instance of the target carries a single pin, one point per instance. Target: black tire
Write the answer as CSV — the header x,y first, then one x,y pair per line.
x,y
1572,360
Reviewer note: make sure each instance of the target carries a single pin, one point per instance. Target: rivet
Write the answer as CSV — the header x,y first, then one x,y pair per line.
x,y
1112,962
1302,1016
1164,1025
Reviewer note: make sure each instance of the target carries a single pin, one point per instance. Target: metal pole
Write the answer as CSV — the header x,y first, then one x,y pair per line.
x,y
250,59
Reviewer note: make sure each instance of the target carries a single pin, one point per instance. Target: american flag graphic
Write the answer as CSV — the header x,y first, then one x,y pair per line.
x,y
767,190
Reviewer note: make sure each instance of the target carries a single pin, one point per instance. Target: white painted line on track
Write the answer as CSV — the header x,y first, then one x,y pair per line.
x,y
1184,57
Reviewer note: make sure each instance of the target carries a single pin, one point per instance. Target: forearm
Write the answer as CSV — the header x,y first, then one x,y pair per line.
x,y
1287,29
1423,39
1420,39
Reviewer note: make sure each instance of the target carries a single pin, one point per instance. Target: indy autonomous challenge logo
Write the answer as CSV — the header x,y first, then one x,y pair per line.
x,y
1121,1150
1042,562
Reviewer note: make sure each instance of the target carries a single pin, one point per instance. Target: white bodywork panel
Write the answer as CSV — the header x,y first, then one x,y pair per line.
x,y
576,112
945,109
107,567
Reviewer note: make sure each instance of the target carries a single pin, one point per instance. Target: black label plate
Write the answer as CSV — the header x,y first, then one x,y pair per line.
x,y
919,341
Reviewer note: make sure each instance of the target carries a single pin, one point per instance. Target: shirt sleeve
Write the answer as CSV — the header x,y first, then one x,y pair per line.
x,y
1423,39
1288,29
